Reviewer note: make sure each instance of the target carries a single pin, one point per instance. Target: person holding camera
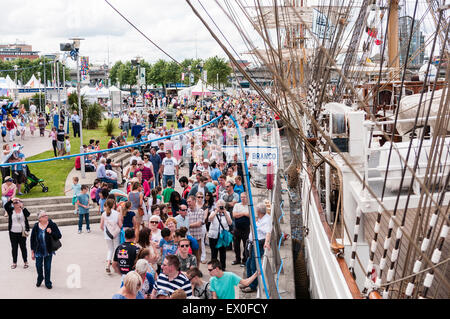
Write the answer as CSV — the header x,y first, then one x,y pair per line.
x,y
220,220
18,228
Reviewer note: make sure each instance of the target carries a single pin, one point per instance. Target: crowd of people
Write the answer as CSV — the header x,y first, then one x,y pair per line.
x,y
158,218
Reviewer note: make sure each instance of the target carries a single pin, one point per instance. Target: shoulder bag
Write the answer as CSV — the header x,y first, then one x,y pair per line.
x,y
225,237
112,229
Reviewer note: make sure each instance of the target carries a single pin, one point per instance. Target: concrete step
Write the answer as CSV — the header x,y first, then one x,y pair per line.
x,y
122,157
28,202
34,209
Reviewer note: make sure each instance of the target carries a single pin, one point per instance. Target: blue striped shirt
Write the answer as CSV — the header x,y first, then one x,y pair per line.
x,y
180,282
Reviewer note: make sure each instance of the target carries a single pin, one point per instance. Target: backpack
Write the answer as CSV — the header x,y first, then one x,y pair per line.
x,y
204,292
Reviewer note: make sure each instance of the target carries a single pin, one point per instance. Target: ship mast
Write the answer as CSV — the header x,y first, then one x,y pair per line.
x,y
393,40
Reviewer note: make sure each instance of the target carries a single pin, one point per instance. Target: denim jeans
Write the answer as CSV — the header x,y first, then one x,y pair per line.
x,y
110,181
80,221
156,182
166,178
126,127
251,264
45,271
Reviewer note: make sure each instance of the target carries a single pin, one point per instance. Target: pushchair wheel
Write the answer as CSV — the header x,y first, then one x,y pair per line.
x,y
45,189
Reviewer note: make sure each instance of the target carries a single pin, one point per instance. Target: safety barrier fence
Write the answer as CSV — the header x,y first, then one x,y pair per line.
x,y
277,261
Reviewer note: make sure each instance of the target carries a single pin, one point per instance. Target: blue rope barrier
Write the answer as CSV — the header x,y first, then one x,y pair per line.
x,y
279,246
258,253
112,149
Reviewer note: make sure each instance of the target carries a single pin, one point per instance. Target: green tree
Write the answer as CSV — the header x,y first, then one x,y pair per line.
x,y
172,72
218,71
26,69
127,74
192,66
157,73
114,72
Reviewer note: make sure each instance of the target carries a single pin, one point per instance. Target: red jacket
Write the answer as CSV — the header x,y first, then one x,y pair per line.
x,y
10,125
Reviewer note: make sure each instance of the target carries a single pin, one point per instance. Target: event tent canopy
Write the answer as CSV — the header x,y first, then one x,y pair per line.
x,y
34,83
200,89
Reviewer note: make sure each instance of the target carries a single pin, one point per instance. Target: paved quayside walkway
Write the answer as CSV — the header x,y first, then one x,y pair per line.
x,y
78,267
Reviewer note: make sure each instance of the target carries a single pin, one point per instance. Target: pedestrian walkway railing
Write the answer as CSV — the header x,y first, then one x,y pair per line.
x,y
276,259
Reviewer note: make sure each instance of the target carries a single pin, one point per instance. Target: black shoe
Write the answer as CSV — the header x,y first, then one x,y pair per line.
x,y
235,262
49,286
38,284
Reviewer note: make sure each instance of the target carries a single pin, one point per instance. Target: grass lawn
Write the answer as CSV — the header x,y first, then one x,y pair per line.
x,y
54,173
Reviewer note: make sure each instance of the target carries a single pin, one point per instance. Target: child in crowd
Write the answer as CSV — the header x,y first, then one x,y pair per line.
x,y
167,244
168,191
67,145
93,191
4,131
83,206
76,188
32,126
103,196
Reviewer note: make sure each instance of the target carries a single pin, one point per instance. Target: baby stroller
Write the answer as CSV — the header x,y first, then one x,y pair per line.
x,y
31,181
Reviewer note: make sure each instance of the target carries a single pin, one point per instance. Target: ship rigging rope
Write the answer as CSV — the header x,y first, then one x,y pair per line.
x,y
399,237
431,162
295,99
275,109
115,148
415,274
314,122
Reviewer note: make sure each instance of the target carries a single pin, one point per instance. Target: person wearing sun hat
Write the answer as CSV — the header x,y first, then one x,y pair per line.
x,y
8,190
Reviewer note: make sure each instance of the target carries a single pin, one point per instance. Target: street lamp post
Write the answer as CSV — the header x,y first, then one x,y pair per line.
x,y
74,49
40,90
58,86
80,110
15,81
45,86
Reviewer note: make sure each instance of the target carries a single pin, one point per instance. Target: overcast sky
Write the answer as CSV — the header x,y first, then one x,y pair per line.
x,y
170,23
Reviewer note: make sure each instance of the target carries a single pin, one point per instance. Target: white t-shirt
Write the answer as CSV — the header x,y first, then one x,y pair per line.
x,y
153,136
169,165
263,226
156,238
111,174
113,218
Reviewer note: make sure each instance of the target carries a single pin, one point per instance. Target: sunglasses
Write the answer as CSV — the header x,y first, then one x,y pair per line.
x,y
199,196
183,210
184,246
16,202
154,222
209,269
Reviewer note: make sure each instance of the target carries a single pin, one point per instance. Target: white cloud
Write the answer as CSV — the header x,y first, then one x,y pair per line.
x,y
169,23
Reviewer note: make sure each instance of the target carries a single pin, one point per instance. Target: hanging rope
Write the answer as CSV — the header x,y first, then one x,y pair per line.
x,y
115,148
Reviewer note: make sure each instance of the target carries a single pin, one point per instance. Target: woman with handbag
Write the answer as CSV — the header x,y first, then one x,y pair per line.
x,y
18,228
137,199
220,220
111,223
44,240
